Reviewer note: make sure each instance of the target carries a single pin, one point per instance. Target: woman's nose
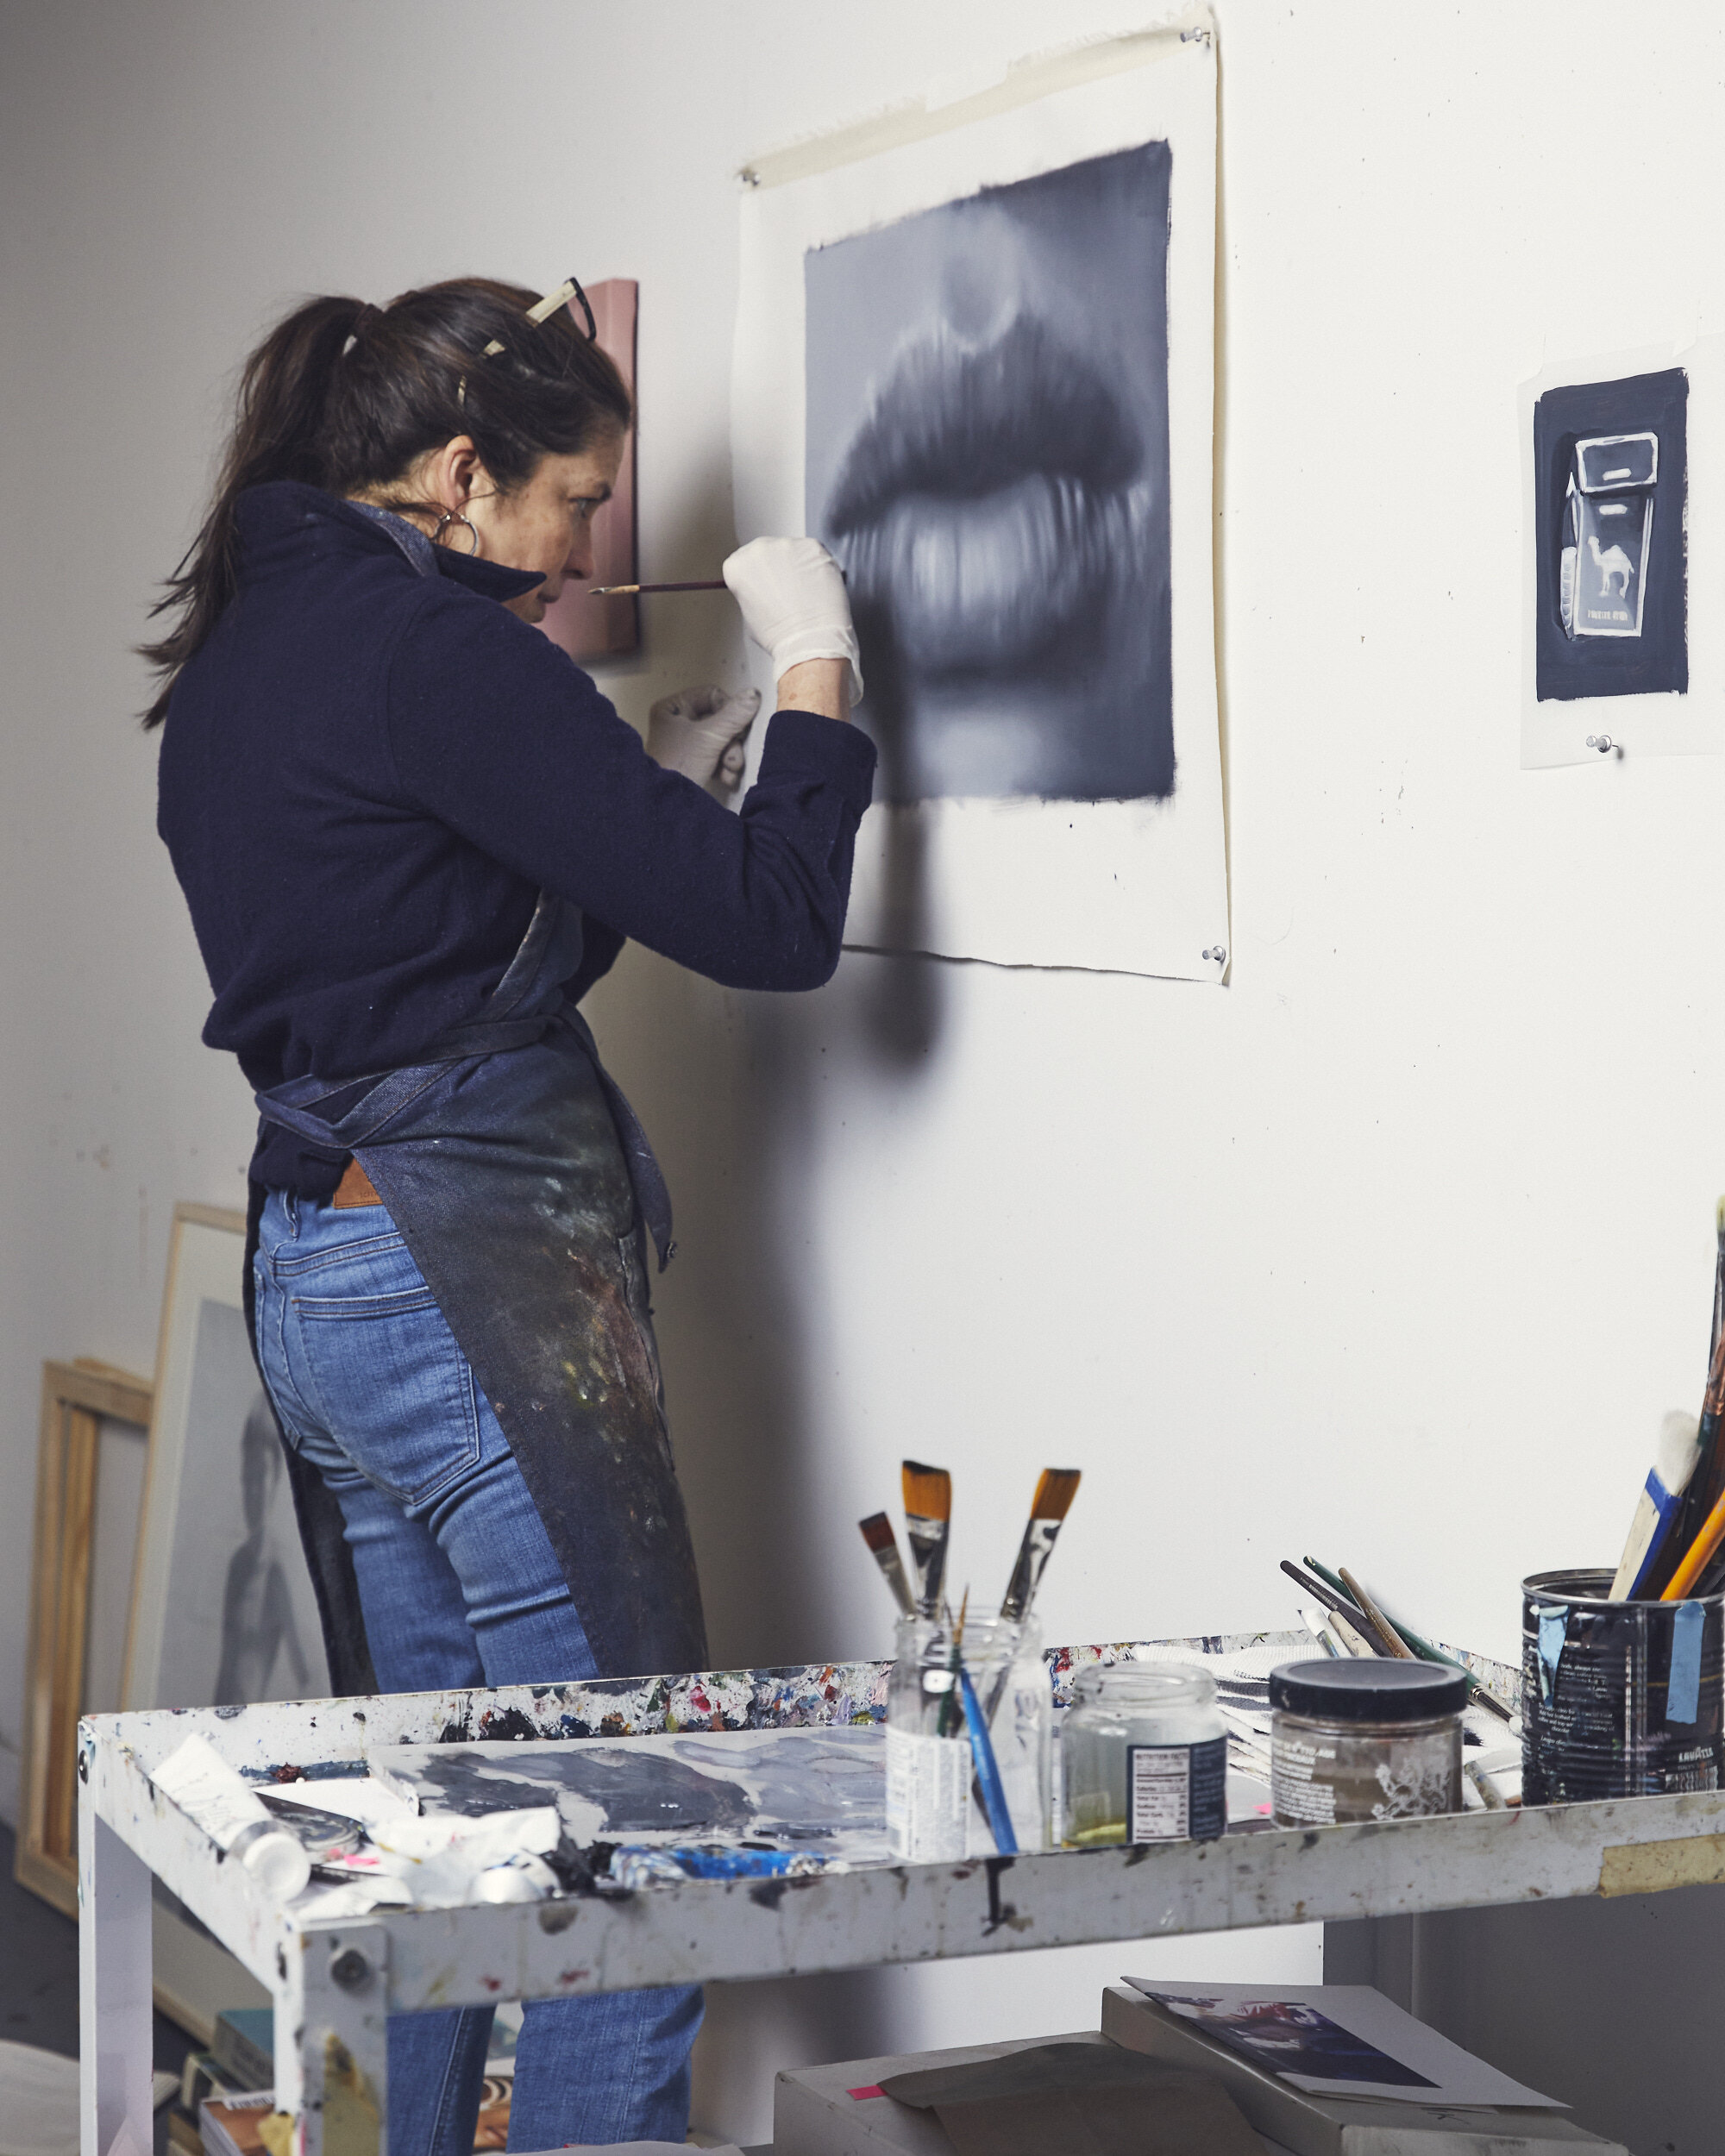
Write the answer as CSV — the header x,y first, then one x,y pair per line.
x,y
580,560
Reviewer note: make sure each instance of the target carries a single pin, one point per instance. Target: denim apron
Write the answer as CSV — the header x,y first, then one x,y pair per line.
x,y
520,1180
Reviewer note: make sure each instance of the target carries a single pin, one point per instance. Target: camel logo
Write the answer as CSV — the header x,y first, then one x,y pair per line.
x,y
1608,529
1612,562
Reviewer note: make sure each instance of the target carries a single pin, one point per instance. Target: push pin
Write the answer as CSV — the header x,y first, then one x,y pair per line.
x,y
1602,742
1218,954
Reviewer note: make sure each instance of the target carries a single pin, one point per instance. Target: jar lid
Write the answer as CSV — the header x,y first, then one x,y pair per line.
x,y
1145,1684
1377,1690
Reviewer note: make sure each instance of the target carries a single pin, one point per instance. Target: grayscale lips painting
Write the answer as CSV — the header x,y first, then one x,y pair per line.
x,y
986,456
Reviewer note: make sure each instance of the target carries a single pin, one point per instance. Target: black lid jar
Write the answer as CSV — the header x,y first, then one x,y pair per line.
x,y
1365,1739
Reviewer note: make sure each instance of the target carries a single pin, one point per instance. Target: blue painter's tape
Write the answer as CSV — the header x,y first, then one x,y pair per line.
x,y
1682,1697
1553,1629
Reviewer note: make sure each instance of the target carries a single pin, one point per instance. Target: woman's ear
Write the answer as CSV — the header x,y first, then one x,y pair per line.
x,y
454,473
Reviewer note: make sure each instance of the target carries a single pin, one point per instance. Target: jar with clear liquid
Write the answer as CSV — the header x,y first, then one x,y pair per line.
x,y
934,1813
1143,1757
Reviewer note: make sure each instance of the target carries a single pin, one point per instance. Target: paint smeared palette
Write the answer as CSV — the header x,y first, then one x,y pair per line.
x,y
821,1792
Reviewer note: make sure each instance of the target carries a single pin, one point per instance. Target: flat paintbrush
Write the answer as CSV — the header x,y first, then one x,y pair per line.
x,y
928,1522
1054,1494
877,1532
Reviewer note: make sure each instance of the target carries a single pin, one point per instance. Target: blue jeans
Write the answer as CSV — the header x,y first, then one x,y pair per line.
x,y
459,1586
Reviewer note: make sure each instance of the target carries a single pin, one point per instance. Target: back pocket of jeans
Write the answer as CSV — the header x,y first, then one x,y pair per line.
x,y
391,1385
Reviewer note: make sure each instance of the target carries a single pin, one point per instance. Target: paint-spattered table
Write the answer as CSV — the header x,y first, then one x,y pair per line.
x,y
336,1977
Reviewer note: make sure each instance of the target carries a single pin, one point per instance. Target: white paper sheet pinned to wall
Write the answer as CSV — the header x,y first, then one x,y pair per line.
x,y
975,353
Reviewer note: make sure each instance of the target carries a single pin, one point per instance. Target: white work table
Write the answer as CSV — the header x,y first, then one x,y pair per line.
x,y
335,1980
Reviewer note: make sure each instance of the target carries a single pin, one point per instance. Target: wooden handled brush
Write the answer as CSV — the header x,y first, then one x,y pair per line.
x,y
1054,1495
877,1532
928,1521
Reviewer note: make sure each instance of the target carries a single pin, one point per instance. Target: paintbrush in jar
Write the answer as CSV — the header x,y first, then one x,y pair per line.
x,y
877,1532
952,1706
928,1523
1054,1494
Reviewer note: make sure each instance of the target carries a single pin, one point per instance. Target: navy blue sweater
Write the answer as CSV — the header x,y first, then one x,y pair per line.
x,y
368,774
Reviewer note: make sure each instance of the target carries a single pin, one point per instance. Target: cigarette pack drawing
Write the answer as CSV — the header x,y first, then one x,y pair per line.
x,y
1610,478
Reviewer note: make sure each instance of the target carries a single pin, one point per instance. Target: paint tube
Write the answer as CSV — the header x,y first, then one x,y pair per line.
x,y
204,1787
1674,1463
521,1876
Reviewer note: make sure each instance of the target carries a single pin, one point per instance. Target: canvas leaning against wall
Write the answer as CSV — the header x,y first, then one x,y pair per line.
x,y
223,1611
976,356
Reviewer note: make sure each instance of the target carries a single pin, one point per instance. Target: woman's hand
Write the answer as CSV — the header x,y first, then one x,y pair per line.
x,y
794,604
701,732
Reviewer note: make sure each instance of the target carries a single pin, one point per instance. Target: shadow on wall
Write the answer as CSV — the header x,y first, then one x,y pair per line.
x,y
768,1600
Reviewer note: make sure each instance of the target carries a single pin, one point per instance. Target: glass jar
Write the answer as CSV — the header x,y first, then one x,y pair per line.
x,y
1364,1739
934,1813
1143,1753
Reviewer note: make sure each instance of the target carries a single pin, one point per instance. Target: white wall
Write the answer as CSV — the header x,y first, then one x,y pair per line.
x,y
1395,1248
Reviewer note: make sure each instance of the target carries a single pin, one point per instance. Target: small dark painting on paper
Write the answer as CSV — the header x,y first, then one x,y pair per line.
x,y
987,454
1610,480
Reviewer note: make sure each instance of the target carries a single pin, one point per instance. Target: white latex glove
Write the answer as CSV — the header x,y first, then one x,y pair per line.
x,y
701,733
794,603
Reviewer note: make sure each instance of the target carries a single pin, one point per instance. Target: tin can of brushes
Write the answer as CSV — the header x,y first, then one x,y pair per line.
x,y
1618,1699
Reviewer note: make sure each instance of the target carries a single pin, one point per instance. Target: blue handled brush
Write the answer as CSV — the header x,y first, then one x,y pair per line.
x,y
987,1769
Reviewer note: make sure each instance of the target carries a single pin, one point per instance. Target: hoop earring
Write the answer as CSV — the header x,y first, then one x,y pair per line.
x,y
453,517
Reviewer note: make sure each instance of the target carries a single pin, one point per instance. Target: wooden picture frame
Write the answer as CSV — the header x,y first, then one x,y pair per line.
x,y
76,1398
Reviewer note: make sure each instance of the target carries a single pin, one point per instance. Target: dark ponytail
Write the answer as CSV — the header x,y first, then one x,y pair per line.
x,y
347,398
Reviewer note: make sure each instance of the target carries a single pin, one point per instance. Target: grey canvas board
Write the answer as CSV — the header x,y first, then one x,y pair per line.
x,y
987,454
822,1790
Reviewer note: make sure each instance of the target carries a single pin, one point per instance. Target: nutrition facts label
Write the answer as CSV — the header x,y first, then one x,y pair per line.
x,y
1176,1792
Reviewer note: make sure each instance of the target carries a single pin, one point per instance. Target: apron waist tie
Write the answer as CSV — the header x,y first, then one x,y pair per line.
x,y
290,1104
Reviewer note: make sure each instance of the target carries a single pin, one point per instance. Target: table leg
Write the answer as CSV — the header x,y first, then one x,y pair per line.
x,y
331,2043
114,1991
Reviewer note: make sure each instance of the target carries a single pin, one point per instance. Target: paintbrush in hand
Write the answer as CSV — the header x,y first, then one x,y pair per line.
x,y
877,1532
928,1521
1054,1494
631,591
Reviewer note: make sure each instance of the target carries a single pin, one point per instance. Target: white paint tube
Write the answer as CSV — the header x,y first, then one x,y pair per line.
x,y
210,1791
1679,1448
520,1877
